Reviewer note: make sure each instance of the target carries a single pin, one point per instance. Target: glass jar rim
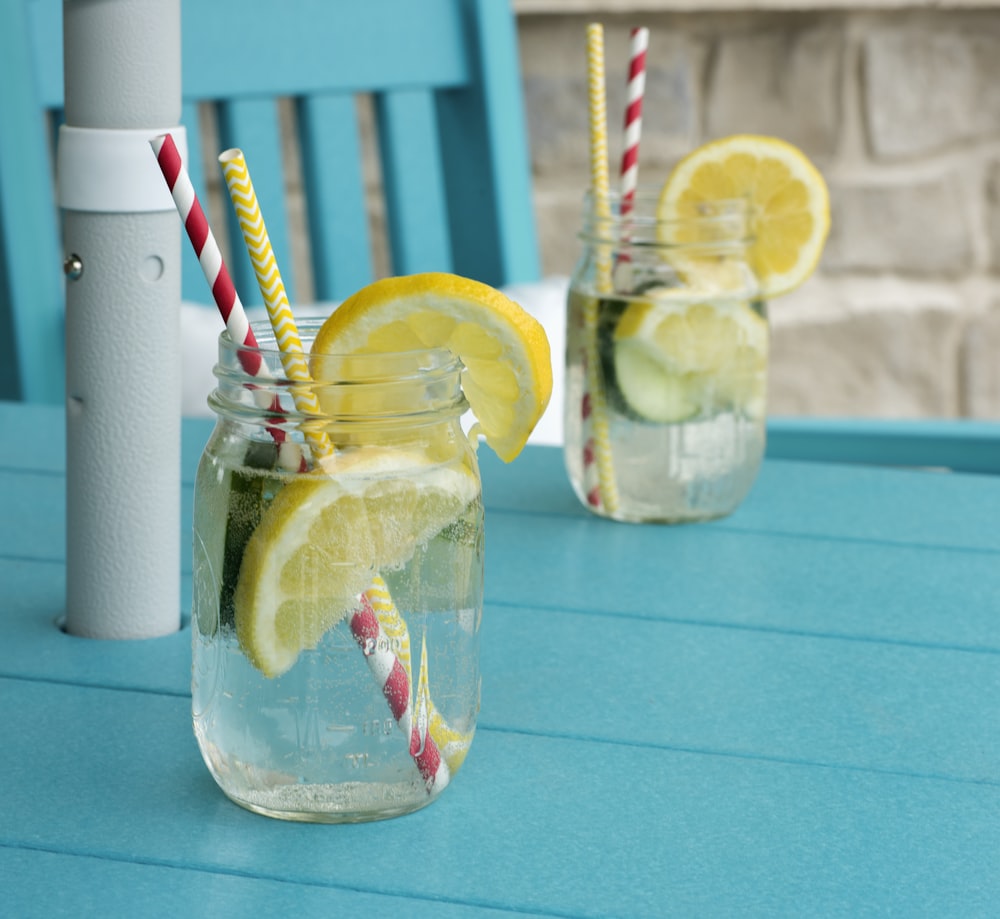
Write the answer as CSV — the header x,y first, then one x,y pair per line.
x,y
348,368
726,220
348,391
646,193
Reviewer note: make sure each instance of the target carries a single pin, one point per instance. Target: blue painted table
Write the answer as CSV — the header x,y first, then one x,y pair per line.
x,y
793,711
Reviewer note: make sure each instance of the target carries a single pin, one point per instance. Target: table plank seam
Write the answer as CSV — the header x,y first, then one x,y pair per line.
x,y
223,871
618,615
32,559
746,756
110,687
706,529
33,470
857,540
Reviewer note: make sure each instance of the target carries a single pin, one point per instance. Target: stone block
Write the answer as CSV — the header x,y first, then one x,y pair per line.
x,y
980,365
553,62
914,228
894,363
931,84
559,216
991,204
782,81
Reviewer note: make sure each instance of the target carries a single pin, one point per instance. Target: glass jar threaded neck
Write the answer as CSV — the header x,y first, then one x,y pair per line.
x,y
337,393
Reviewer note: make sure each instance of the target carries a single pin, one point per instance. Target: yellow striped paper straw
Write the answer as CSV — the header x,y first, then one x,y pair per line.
x,y
600,191
453,745
279,311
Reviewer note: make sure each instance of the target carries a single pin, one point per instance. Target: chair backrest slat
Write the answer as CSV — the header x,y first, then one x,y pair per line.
x,y
482,159
301,47
30,261
336,216
253,125
414,183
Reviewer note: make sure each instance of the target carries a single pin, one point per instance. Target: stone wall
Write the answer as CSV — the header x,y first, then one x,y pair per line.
x,y
900,110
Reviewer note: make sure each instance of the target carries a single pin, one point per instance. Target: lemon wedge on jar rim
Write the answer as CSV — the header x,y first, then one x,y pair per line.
x,y
787,198
680,356
507,378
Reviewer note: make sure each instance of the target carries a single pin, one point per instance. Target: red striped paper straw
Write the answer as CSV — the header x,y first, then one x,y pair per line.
x,y
219,280
207,249
389,672
636,90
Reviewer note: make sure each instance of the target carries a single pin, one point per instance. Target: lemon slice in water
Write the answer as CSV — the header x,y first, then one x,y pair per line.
x,y
325,537
675,361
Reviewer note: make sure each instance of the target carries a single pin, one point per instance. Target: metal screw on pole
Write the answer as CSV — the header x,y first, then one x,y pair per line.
x,y
73,267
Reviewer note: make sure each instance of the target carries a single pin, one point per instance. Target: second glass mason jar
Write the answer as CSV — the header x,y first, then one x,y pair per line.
x,y
666,362
338,598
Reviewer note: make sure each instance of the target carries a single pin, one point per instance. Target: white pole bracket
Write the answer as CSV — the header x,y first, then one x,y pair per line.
x,y
113,171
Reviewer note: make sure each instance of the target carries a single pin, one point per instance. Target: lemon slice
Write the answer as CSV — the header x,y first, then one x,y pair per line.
x,y
675,361
788,199
508,368
327,534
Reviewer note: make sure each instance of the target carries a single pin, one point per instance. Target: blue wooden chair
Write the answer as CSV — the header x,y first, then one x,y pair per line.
x,y
444,79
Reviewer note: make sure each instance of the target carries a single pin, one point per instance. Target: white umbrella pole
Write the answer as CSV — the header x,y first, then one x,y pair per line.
x,y
122,245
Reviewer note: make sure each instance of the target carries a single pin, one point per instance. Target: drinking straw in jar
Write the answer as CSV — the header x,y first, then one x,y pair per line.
x,y
279,311
635,92
383,638
220,282
597,449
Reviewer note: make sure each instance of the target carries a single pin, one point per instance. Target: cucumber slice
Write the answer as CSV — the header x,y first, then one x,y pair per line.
x,y
675,360
650,388
246,505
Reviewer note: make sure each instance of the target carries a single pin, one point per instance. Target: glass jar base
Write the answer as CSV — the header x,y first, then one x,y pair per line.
x,y
346,802
653,515
671,473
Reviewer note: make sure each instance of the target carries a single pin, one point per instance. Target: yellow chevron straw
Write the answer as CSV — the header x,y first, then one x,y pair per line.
x,y
599,188
452,744
258,243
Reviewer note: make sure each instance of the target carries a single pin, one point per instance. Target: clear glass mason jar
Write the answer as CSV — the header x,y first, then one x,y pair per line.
x,y
666,363
337,601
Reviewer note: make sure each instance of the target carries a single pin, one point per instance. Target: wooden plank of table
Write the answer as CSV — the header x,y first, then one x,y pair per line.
x,y
559,826
845,501
615,677
876,706
828,501
844,588
33,647
49,885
